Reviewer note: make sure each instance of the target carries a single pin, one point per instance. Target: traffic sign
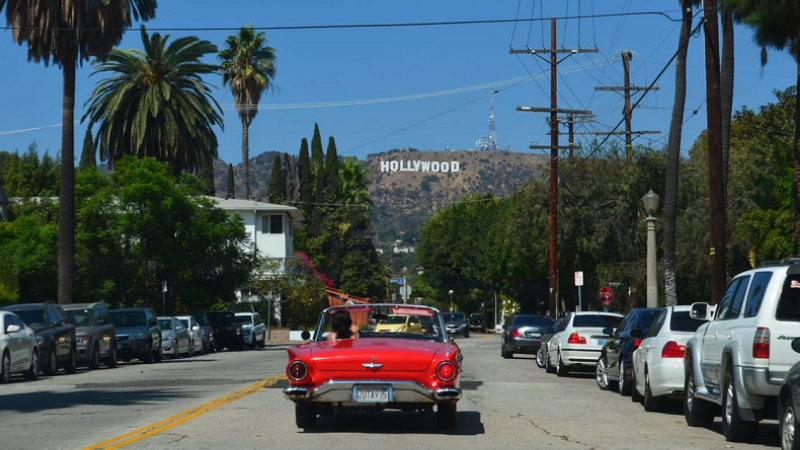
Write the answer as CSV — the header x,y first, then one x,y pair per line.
x,y
578,278
396,280
606,295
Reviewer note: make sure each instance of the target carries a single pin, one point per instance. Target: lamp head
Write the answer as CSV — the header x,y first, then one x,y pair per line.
x,y
650,201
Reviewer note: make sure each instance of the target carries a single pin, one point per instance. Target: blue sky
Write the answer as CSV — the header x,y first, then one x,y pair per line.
x,y
426,87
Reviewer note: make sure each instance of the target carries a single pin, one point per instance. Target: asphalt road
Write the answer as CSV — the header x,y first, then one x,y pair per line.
x,y
233,400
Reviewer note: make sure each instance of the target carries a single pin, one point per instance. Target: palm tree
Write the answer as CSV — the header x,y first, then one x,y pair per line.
x,y
67,33
155,103
776,24
248,68
353,182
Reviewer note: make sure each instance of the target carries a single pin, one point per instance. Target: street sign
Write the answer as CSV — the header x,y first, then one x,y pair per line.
x,y
405,292
396,280
606,295
578,278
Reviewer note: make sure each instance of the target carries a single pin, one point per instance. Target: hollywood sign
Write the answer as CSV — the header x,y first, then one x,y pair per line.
x,y
420,166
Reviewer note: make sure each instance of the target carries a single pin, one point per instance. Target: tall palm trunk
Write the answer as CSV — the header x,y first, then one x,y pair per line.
x,y
66,203
726,97
246,156
674,159
796,187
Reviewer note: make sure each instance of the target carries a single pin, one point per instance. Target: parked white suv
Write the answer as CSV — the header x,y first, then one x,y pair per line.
x,y
737,361
253,330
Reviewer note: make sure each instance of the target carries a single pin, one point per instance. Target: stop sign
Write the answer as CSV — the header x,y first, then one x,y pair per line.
x,y
606,295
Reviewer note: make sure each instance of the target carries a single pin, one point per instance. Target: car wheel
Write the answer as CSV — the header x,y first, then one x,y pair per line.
x,y
5,368
698,413
149,356
734,427
175,350
263,342
52,364
33,372
561,369
111,361
651,403
505,353
790,440
601,374
72,362
305,416
623,386
540,359
548,366
636,397
94,363
446,415
158,353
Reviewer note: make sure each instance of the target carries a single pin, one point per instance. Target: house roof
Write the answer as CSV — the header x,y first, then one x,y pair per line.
x,y
233,204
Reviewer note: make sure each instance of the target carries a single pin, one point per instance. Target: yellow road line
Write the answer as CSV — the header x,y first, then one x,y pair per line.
x,y
181,417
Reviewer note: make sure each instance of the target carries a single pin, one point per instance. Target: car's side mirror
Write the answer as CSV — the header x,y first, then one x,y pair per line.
x,y
700,311
12,328
196,327
608,331
305,335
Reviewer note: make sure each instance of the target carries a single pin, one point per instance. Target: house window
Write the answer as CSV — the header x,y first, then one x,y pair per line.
x,y
272,224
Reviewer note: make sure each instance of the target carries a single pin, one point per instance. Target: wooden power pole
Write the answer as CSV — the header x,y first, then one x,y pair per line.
x,y
553,147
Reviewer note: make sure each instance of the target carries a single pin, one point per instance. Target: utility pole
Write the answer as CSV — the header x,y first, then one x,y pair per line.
x,y
716,197
554,147
626,111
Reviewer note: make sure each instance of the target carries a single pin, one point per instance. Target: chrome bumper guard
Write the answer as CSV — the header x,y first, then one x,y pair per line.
x,y
341,392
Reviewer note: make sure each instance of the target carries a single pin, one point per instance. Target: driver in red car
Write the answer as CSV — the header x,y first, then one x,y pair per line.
x,y
342,327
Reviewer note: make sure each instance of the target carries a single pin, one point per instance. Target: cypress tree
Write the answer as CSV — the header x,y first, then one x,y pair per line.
x,y
275,193
231,187
305,180
332,173
207,175
88,160
317,157
289,177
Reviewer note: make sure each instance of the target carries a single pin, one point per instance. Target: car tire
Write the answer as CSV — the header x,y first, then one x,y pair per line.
x,y
94,363
734,427
636,397
505,353
5,368
697,412
158,354
446,415
623,385
175,350
305,416
72,362
149,356
263,342
650,402
790,437
548,366
33,373
601,374
111,361
52,364
540,359
561,369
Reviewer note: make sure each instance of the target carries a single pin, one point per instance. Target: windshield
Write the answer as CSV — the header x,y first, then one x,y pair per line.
x,y
165,324
454,317
244,320
33,318
382,320
128,319
184,322
79,317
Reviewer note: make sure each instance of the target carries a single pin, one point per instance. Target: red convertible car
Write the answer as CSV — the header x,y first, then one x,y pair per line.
x,y
377,368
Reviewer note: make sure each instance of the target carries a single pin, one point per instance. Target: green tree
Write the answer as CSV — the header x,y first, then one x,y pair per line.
x,y
68,33
353,182
231,191
207,175
275,193
155,103
331,173
248,68
305,178
88,160
27,175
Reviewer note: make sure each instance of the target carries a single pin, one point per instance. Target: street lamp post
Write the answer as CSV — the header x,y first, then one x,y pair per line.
x,y
650,201
451,299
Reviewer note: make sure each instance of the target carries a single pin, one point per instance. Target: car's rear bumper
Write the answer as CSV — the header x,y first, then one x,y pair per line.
x,y
523,345
666,376
583,356
341,392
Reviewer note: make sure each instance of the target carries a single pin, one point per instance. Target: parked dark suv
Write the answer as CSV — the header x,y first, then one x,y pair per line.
x,y
95,335
227,333
138,334
54,334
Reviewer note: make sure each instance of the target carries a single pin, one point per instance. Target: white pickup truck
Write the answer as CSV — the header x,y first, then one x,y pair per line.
x,y
736,362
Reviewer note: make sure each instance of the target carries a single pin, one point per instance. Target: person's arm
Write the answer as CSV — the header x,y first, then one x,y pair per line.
x,y
354,330
332,337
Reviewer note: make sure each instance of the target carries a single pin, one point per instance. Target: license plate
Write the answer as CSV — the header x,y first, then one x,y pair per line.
x,y
601,342
372,394
534,334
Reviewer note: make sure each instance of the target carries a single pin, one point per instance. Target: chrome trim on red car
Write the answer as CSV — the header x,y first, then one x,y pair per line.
x,y
340,391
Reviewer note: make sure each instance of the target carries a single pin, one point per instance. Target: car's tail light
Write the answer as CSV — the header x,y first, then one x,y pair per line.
x,y
515,333
637,342
297,371
576,338
761,343
673,350
446,371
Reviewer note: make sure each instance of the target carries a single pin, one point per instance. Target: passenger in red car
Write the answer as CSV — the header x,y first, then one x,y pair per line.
x,y
342,327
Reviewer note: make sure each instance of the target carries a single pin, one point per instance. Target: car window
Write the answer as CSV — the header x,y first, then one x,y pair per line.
x,y
532,320
727,298
388,321
184,322
34,318
645,318
657,324
564,323
682,321
736,305
558,323
595,321
245,320
789,303
165,324
756,295
79,317
624,325
97,315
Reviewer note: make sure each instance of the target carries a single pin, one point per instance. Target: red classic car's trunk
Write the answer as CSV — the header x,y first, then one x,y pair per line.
x,y
394,354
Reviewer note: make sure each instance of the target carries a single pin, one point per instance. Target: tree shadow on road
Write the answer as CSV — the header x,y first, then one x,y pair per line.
x,y
468,423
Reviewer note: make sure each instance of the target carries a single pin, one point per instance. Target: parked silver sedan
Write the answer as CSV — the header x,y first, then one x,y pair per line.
x,y
19,352
194,331
175,338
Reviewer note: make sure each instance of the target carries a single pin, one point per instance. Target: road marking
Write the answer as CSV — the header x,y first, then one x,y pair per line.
x,y
181,417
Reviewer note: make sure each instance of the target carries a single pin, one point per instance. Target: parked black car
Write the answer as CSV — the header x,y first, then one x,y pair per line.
x,y
616,358
207,331
476,322
54,334
456,323
227,333
524,334
95,335
138,334
541,355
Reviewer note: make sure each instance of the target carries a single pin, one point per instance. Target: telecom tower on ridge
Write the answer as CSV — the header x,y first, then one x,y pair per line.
x,y
489,142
